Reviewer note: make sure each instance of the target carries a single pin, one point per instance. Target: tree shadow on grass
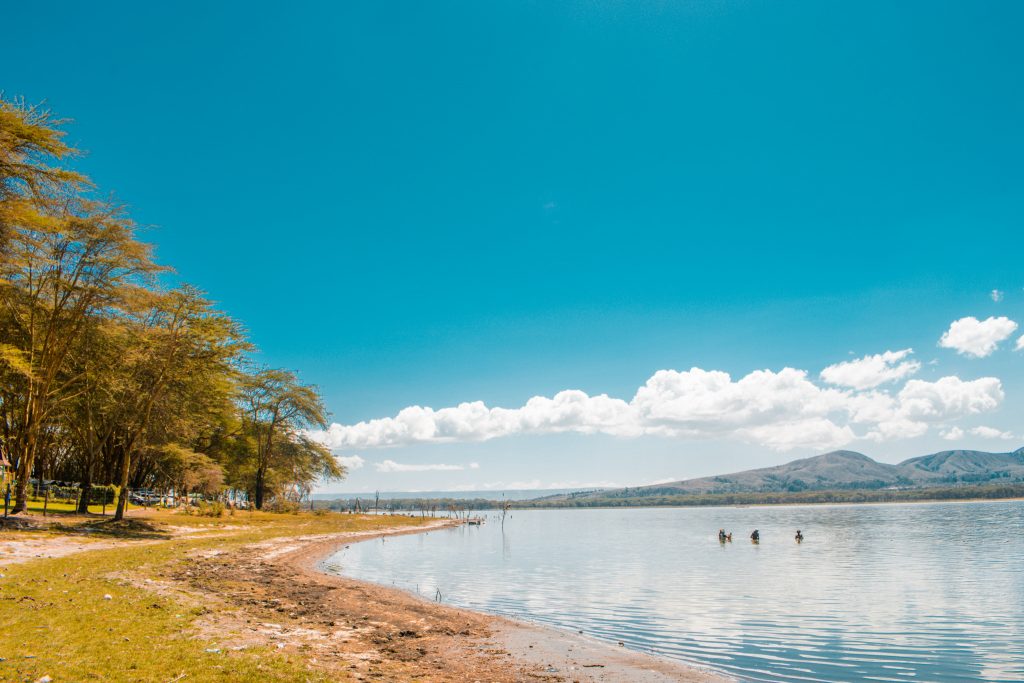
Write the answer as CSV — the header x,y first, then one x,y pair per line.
x,y
125,528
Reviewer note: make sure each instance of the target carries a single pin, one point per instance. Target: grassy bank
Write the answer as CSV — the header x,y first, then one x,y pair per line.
x,y
58,621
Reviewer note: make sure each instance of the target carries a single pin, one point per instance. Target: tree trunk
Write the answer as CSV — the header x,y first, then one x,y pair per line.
x,y
86,485
259,489
20,493
122,494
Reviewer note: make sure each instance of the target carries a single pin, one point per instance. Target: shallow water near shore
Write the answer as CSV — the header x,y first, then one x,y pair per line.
x,y
910,592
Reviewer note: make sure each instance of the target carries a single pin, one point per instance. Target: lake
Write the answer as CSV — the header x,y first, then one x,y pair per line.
x,y
921,592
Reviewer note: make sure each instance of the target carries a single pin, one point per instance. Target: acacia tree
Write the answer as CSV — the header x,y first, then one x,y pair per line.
x,y
53,280
103,375
302,462
30,146
181,357
276,408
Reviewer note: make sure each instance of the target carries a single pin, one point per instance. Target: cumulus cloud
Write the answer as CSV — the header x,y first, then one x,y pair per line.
x,y
871,371
392,466
978,338
781,410
992,433
948,398
1020,344
351,462
996,295
952,434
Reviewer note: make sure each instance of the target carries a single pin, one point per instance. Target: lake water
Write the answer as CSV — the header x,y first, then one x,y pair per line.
x,y
917,592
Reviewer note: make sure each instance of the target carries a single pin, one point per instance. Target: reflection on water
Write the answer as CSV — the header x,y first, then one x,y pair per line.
x,y
875,592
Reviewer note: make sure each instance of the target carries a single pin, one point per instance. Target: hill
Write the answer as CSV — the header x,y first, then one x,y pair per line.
x,y
845,470
964,467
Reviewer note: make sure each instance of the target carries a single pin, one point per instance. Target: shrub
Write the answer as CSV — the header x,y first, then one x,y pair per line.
x,y
280,505
214,509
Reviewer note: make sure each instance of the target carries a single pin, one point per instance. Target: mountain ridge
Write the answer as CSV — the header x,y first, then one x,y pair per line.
x,y
843,469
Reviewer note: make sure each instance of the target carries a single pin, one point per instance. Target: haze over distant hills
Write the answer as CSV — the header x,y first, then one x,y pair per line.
x,y
510,494
850,470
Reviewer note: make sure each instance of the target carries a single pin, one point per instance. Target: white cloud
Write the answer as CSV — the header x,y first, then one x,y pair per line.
x,y
953,434
474,465
978,338
996,295
781,410
1020,344
392,466
992,433
351,462
948,398
871,371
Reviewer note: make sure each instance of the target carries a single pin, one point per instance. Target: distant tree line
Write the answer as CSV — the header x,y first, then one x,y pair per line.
x,y
108,375
844,495
841,495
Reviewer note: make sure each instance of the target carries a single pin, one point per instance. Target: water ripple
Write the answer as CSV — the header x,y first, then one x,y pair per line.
x,y
875,592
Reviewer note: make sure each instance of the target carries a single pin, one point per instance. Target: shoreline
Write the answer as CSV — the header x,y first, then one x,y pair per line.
x,y
536,651
243,597
926,501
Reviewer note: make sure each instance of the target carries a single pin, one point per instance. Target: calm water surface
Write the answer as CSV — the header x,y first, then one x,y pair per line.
x,y
876,592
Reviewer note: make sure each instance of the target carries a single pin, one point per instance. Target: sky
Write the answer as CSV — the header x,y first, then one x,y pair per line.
x,y
565,244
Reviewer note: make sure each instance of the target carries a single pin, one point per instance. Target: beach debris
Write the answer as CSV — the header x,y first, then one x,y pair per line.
x,y
108,596
44,679
213,650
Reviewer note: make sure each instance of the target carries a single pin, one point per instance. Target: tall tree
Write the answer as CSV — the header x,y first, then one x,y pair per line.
x,y
53,278
276,408
179,366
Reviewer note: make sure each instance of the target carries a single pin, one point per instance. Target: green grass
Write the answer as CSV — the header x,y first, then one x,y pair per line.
x,y
35,505
56,622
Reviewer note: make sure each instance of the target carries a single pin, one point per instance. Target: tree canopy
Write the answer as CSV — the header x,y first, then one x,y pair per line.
x,y
108,374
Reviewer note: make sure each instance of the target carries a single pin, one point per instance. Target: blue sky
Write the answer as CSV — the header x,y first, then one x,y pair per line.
x,y
425,204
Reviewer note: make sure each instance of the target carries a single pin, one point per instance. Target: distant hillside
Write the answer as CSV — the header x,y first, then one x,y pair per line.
x,y
847,470
964,466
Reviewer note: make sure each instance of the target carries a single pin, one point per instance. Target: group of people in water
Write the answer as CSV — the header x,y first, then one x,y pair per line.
x,y
755,536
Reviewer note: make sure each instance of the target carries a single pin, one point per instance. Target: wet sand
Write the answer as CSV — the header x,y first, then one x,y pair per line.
x,y
429,641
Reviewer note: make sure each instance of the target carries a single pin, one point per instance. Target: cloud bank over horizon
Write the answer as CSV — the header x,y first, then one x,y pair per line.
x,y
780,410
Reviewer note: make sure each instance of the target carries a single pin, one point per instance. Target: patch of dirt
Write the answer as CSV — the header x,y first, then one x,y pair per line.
x,y
266,595
25,549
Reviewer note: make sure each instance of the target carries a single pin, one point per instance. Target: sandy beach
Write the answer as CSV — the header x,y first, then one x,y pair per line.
x,y
280,595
